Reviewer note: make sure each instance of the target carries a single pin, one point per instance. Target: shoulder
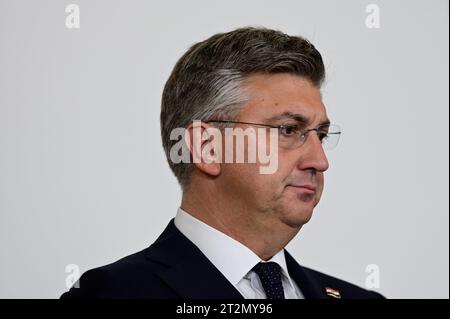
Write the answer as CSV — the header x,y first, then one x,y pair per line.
x,y
129,277
345,289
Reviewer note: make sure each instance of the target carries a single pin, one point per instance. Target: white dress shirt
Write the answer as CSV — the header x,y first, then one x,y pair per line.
x,y
233,259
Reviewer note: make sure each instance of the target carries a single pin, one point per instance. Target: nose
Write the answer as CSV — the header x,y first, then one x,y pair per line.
x,y
312,154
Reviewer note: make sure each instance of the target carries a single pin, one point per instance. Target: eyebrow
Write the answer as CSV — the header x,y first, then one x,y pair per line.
x,y
300,118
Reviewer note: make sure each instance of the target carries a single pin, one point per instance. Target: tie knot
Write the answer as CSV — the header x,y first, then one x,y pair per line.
x,y
270,268
270,275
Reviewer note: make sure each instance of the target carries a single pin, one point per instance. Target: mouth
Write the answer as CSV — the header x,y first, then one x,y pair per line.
x,y
305,189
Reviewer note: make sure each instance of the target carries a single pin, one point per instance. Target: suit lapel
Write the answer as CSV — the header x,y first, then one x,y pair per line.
x,y
187,270
307,284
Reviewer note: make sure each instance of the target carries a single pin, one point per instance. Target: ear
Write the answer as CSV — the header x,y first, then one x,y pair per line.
x,y
204,142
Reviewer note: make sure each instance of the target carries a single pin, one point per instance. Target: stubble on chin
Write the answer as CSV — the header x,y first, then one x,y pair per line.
x,y
292,210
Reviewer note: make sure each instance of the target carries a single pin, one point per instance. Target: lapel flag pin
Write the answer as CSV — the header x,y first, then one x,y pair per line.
x,y
333,292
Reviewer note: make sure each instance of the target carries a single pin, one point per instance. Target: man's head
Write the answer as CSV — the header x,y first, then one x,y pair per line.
x,y
252,75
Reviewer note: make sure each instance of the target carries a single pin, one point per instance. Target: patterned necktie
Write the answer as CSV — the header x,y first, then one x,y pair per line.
x,y
270,276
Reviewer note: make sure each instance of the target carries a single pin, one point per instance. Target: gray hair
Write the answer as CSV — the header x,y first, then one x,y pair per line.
x,y
207,82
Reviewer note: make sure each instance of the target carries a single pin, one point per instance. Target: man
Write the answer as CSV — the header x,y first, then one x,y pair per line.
x,y
228,237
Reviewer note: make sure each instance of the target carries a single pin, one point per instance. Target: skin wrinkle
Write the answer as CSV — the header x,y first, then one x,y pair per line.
x,y
262,211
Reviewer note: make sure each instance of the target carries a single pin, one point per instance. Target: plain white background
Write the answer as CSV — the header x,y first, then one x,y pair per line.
x,y
83,177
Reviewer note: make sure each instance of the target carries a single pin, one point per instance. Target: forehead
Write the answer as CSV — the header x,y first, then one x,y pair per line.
x,y
274,94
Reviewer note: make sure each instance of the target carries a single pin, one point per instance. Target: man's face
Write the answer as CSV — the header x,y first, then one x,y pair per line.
x,y
279,198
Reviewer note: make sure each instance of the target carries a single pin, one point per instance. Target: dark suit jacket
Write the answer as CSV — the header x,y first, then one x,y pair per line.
x,y
173,267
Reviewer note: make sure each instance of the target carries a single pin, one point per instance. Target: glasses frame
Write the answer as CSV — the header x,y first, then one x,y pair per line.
x,y
303,134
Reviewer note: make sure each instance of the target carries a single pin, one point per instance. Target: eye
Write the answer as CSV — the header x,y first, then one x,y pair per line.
x,y
322,135
288,130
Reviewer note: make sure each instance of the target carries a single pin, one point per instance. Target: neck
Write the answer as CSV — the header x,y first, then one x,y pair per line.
x,y
261,232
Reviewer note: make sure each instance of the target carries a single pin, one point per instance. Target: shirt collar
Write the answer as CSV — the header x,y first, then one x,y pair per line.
x,y
233,259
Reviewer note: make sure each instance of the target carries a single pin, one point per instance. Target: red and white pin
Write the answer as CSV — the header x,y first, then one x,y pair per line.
x,y
333,292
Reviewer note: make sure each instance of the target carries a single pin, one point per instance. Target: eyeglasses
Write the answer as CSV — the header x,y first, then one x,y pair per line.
x,y
290,136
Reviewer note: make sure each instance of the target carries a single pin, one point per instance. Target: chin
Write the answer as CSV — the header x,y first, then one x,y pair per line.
x,y
296,218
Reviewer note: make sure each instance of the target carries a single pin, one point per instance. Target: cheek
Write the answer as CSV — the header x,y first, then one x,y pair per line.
x,y
247,178
246,182
287,163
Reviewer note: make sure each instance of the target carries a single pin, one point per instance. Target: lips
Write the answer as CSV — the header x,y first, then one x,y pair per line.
x,y
306,188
